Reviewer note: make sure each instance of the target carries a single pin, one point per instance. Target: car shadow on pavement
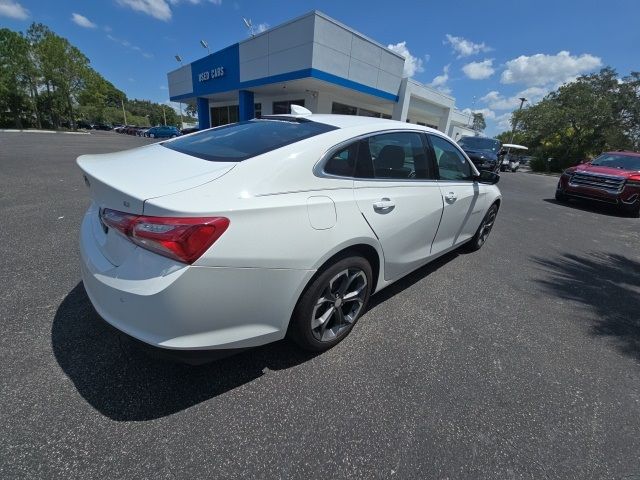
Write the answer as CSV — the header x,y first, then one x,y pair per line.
x,y
608,285
124,383
412,278
590,206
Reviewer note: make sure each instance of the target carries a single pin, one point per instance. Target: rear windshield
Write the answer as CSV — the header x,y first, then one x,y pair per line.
x,y
479,143
239,141
623,162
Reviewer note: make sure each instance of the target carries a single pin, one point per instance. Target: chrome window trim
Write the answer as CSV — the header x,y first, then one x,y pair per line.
x,y
318,168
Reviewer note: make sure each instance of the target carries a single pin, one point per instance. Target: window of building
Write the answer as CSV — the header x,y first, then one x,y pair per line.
x,y
224,115
257,110
363,112
451,163
398,155
342,109
284,107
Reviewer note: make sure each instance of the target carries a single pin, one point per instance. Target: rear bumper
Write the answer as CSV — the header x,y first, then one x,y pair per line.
x,y
171,305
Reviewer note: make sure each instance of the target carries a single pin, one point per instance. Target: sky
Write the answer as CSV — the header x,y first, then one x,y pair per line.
x,y
485,54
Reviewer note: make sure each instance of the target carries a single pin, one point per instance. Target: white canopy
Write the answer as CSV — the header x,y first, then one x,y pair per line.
x,y
514,146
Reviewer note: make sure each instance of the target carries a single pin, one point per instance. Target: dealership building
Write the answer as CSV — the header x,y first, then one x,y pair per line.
x,y
316,62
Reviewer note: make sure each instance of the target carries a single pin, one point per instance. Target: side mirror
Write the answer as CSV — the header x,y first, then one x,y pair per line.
x,y
490,178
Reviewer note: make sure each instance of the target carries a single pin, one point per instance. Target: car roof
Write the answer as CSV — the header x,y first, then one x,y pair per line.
x,y
350,121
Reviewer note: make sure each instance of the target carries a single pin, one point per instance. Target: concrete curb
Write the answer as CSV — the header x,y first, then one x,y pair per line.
x,y
14,130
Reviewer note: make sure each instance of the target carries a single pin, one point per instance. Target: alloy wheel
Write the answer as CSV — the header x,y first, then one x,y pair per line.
x,y
487,225
339,304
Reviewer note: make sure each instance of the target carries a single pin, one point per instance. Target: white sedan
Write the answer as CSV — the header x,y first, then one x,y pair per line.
x,y
241,235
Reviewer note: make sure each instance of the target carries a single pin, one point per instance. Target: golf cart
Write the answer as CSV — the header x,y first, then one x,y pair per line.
x,y
510,162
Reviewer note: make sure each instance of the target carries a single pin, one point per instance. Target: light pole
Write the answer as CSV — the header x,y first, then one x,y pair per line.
x,y
515,123
179,59
205,45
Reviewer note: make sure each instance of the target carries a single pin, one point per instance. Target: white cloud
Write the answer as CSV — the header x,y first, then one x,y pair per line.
x,y
160,9
542,69
503,121
487,113
156,8
440,82
464,47
479,70
82,21
412,65
195,2
497,101
262,27
129,45
11,9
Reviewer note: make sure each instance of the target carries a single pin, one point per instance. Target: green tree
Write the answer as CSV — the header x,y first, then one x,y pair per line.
x,y
581,119
479,123
15,104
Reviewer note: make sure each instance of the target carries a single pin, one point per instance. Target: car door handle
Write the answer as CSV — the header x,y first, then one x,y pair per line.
x,y
383,205
450,197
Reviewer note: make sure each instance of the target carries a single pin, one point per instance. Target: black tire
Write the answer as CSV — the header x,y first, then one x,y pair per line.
x,y
305,329
634,210
479,239
561,197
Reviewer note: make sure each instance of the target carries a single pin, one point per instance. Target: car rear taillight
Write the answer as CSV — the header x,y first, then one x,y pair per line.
x,y
633,180
182,239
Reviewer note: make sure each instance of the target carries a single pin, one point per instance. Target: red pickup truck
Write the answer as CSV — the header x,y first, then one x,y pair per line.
x,y
612,177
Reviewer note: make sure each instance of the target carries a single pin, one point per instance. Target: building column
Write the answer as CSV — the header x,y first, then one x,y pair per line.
x,y
445,120
202,105
401,108
245,105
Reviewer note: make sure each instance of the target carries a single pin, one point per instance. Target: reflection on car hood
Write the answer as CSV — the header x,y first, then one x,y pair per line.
x,y
597,169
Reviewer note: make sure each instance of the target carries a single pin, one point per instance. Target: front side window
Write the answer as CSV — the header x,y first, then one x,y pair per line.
x,y
452,165
397,155
239,141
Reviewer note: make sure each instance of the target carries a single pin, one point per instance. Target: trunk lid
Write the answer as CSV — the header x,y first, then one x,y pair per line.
x,y
125,180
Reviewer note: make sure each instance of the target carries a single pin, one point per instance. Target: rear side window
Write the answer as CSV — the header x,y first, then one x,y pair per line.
x,y
239,141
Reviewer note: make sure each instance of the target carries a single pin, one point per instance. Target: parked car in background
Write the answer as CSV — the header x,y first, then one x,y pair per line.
x,y
186,131
163,132
84,125
612,177
101,126
485,153
238,236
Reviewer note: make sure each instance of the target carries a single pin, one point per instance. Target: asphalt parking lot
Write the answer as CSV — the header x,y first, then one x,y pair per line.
x,y
519,361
